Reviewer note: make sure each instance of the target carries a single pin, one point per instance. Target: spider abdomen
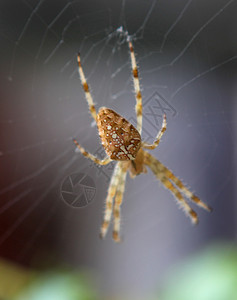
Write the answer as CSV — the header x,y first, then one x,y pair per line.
x,y
119,137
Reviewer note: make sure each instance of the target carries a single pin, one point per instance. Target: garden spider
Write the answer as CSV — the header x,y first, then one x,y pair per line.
x,y
122,142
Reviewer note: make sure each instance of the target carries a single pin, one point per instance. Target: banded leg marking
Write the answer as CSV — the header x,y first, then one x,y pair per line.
x,y
137,88
117,205
182,187
86,88
159,135
154,165
90,156
109,201
187,209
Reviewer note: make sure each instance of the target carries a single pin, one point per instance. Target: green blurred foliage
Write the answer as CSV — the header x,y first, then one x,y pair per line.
x,y
19,283
58,285
211,275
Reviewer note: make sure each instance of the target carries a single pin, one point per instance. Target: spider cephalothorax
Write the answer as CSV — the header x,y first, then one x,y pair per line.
x,y
122,143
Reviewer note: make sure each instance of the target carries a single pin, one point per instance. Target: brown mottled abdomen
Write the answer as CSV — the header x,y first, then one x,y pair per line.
x,y
120,138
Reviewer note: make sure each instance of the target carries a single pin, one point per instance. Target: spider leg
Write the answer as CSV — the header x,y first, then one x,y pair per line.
x,y
154,165
136,87
109,200
86,88
158,137
182,187
117,204
92,157
187,209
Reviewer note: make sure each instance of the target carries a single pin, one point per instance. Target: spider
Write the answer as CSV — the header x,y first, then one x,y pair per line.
x,y
122,142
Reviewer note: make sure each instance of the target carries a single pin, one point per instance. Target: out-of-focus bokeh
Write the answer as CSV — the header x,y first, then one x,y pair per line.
x,y
210,275
52,198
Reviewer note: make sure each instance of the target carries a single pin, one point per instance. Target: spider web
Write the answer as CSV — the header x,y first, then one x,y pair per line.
x,y
186,52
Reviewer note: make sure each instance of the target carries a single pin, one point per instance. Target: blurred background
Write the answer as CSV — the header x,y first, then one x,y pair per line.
x,y
52,198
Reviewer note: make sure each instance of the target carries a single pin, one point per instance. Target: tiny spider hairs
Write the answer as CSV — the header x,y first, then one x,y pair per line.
x,y
122,142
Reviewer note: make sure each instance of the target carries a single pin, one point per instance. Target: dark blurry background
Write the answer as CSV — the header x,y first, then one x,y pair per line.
x,y
186,52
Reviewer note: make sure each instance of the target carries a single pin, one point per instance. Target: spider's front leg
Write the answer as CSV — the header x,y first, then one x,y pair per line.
x,y
92,157
86,88
137,88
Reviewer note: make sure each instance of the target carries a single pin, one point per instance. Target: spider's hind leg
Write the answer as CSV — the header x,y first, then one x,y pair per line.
x,y
117,204
182,187
154,165
109,201
187,209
